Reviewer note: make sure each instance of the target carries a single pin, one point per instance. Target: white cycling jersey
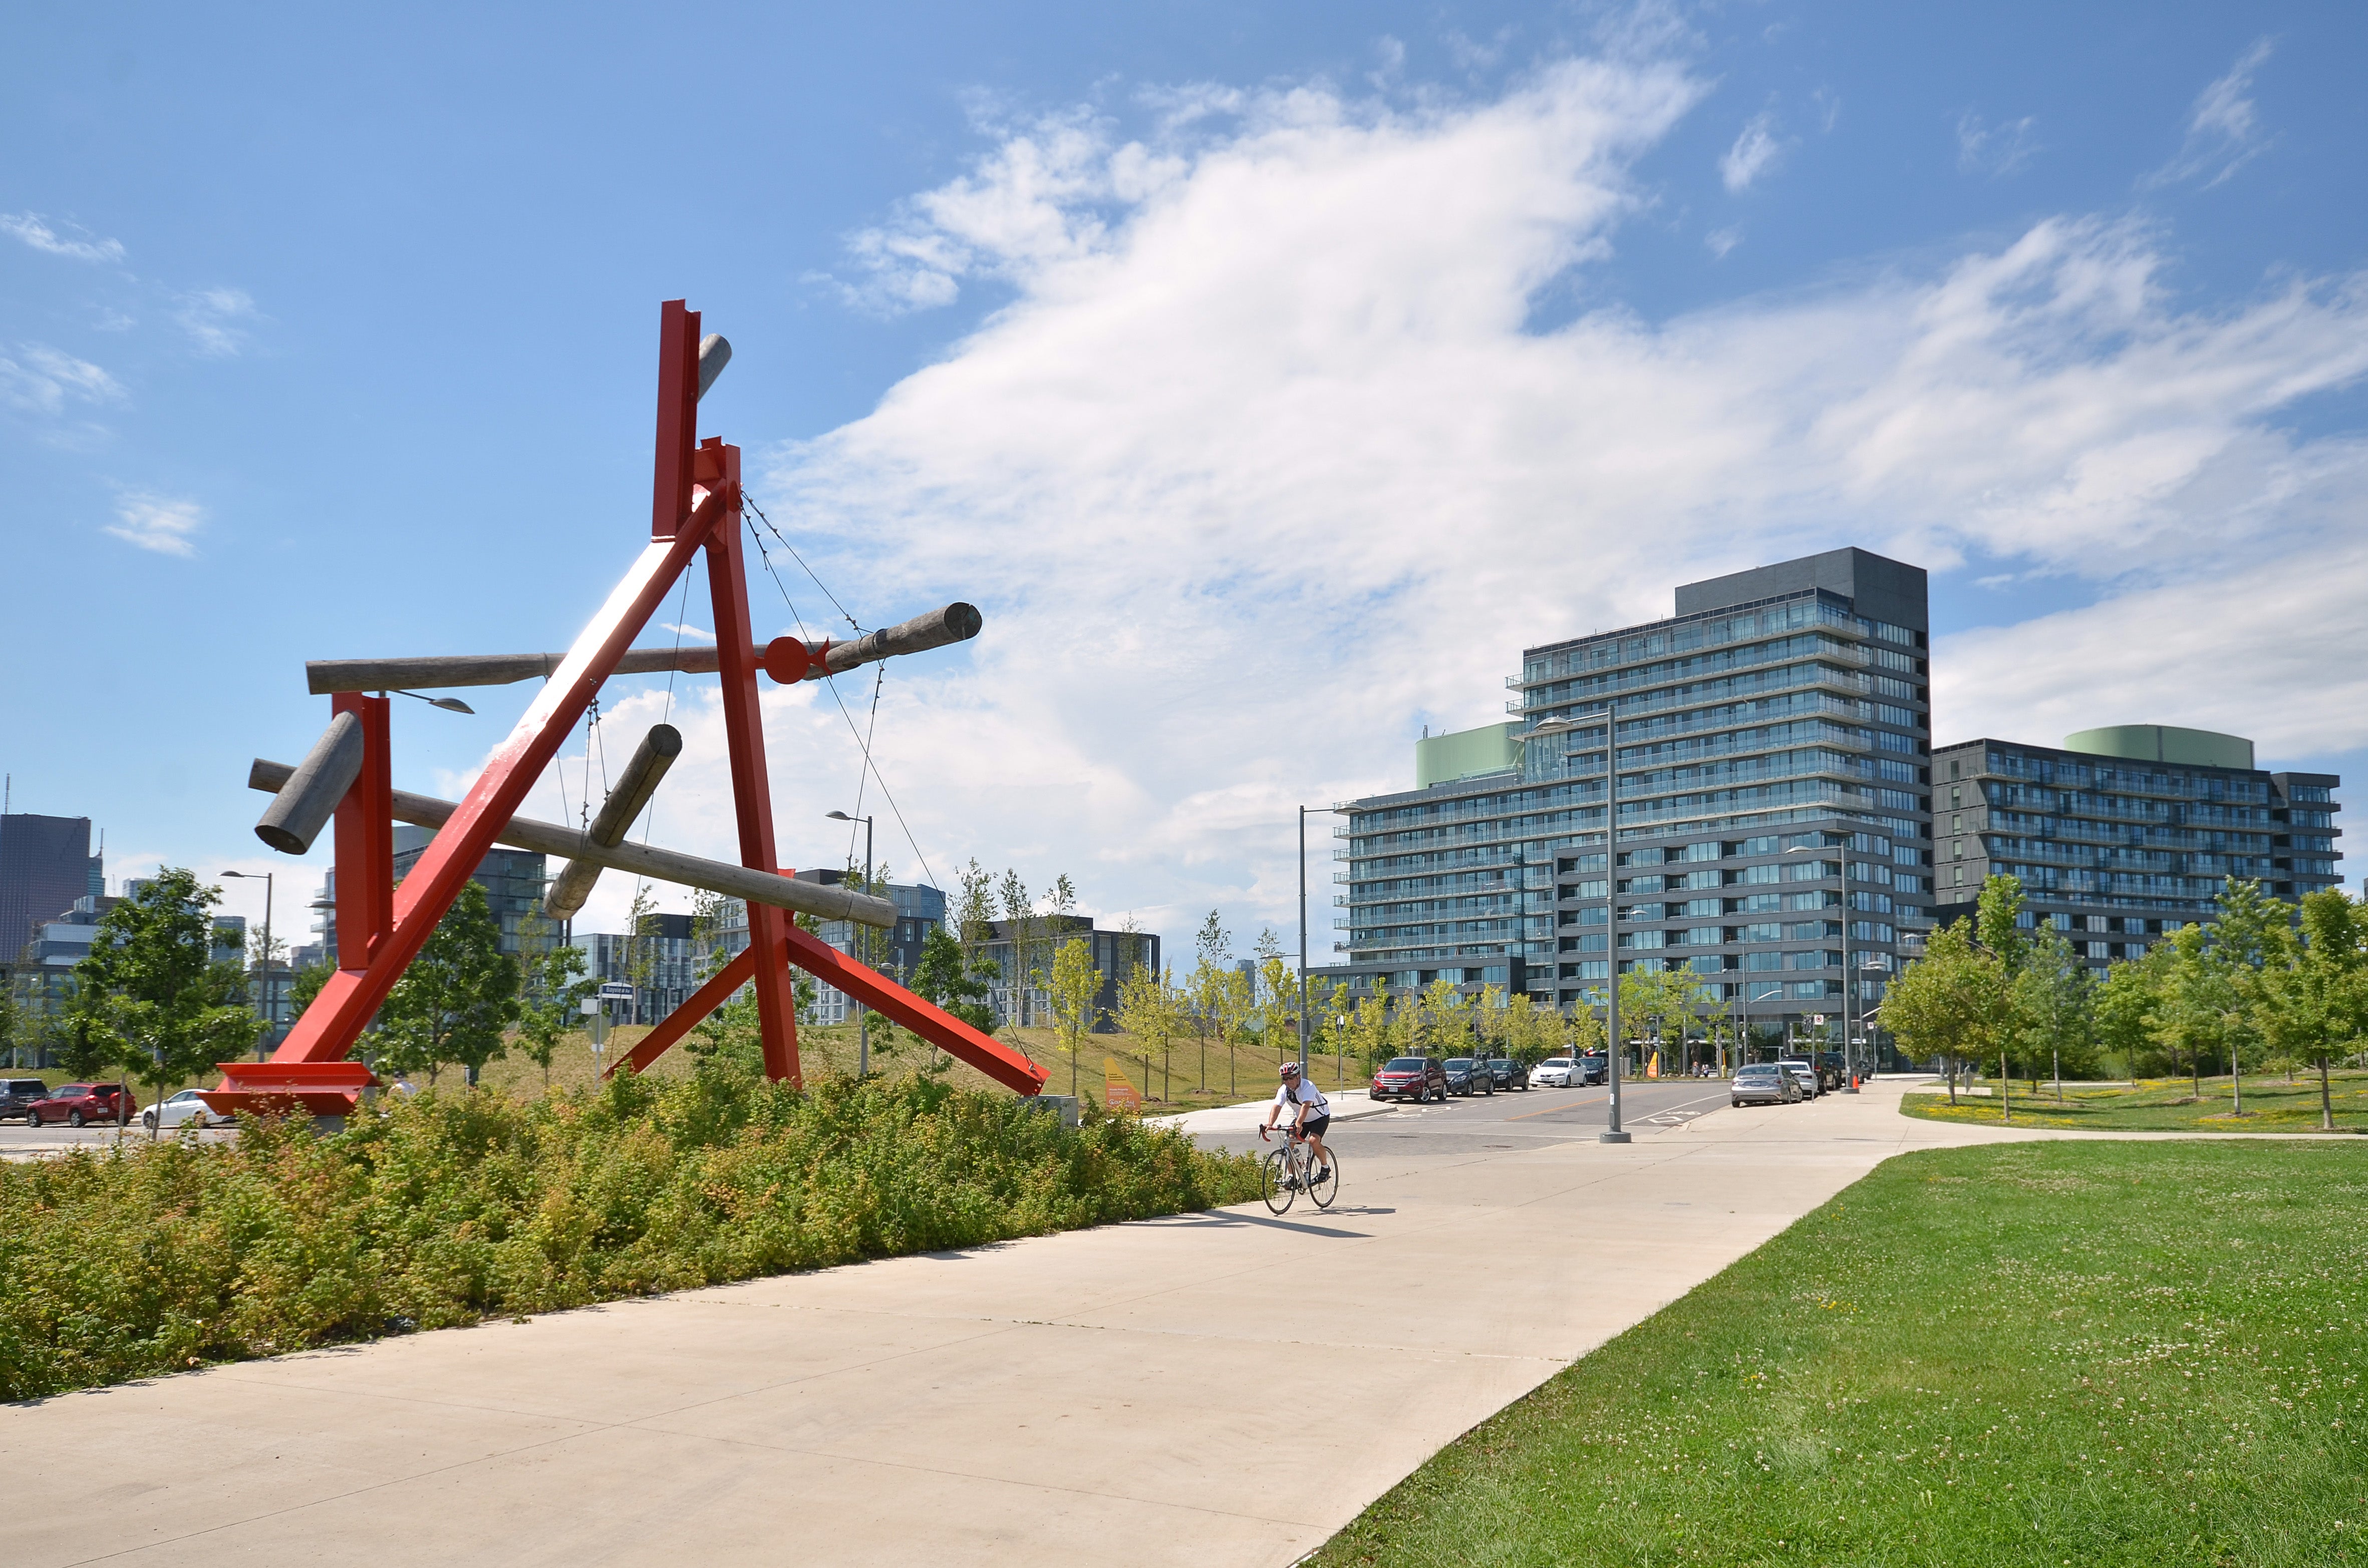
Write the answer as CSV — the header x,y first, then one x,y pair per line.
x,y
1305,1094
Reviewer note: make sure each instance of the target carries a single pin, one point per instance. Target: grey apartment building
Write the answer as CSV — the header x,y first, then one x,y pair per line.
x,y
2124,833
1774,729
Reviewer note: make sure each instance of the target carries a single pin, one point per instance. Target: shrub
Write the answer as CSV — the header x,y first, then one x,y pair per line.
x,y
463,1204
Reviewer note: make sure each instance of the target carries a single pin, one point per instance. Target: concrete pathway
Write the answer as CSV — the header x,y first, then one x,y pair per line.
x,y
1214,1388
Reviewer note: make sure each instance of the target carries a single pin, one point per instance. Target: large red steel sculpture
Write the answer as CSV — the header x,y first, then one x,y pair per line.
x,y
695,506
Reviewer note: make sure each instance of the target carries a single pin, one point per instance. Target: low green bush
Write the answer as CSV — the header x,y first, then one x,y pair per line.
x,y
463,1204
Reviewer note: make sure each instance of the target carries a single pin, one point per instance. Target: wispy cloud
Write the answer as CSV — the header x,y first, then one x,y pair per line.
x,y
684,628
212,318
1290,366
36,231
41,379
162,523
1721,241
2223,132
1996,150
1755,152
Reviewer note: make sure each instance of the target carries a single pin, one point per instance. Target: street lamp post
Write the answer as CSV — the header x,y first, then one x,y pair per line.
x,y
864,1013
270,1006
1849,1070
1613,1134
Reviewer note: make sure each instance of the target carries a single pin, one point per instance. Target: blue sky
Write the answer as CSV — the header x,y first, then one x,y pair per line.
x,y
1270,375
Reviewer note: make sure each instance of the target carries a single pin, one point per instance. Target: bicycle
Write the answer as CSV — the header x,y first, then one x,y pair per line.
x,y
1290,1170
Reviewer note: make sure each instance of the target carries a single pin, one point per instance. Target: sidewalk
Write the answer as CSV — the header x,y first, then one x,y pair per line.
x,y
1129,1394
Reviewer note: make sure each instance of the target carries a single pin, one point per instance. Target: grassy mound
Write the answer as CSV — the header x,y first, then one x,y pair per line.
x,y
463,1204
2129,1353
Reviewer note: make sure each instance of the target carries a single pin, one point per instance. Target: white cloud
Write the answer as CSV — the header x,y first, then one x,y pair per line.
x,y
1755,152
211,318
35,231
43,380
1265,463
1721,241
161,523
1999,149
2223,131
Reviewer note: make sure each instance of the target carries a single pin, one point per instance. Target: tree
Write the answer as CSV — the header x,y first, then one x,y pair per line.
x,y
2055,996
1020,913
1955,1002
2126,1005
153,996
1212,948
1332,1020
554,982
1450,1022
1150,1010
1278,998
1369,1029
459,996
944,977
1070,990
306,986
1236,1003
2315,987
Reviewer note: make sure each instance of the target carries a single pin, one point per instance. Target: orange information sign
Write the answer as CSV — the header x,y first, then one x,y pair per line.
x,y
1117,1092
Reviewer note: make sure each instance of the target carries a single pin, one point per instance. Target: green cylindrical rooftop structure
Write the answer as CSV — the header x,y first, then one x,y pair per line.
x,y
2164,743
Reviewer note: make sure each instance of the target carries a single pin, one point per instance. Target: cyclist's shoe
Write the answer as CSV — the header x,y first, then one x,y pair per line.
x,y
1324,1176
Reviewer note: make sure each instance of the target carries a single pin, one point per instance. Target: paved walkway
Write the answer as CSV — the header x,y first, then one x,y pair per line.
x,y
1214,1388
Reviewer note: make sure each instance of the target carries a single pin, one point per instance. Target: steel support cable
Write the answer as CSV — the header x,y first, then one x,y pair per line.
x,y
831,682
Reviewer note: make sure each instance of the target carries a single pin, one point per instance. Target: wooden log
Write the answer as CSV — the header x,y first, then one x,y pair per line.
x,y
309,796
714,353
659,865
635,787
955,623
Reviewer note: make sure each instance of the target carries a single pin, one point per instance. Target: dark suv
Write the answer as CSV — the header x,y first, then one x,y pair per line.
x,y
1507,1075
17,1097
1411,1078
1468,1076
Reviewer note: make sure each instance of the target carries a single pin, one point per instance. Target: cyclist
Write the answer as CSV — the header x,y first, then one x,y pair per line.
x,y
1313,1115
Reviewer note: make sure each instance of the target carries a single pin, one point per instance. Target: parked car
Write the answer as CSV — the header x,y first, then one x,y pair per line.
x,y
183,1107
1832,1073
1764,1082
1505,1073
1810,1087
1468,1076
1411,1078
1594,1067
17,1097
77,1105
1554,1073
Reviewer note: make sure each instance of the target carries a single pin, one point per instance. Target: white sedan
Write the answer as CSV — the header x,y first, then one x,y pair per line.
x,y
1554,1073
182,1108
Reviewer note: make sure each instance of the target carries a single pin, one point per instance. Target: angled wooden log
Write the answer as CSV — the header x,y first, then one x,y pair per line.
x,y
955,623
659,865
635,787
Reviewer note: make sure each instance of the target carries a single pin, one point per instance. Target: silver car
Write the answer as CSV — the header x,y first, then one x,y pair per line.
x,y
1764,1082
1806,1074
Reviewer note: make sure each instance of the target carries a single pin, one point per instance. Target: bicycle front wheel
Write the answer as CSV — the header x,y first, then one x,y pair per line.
x,y
1275,1181
1324,1186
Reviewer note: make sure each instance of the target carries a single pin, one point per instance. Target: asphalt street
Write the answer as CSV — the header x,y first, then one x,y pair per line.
x,y
1510,1121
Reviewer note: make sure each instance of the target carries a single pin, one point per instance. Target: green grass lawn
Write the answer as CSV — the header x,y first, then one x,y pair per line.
x,y
2033,1354
2271,1104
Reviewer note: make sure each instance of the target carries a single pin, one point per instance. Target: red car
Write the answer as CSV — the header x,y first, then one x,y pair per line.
x,y
77,1105
1412,1078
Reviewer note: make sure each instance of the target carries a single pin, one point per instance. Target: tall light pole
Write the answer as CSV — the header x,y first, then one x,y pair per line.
x,y
271,1007
864,1013
1849,1072
1613,1134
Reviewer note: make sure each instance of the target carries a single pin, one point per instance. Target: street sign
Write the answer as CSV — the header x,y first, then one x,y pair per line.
x,y
616,991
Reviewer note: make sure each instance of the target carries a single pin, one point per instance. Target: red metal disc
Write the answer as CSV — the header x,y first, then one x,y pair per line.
x,y
787,660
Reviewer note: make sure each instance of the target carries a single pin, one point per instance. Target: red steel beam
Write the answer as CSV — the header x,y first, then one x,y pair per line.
x,y
932,1023
683,1019
365,838
743,736
346,1005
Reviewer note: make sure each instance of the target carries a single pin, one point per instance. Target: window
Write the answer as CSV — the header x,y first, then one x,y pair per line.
x,y
1699,906
1640,938
1805,990
1767,931
1763,960
1754,846
1807,961
1595,916
1961,871
1757,903
1641,884
1812,870
1697,852
1767,874
1810,900
1641,912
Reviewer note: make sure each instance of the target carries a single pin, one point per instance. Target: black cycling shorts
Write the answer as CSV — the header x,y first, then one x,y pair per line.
x,y
1314,1126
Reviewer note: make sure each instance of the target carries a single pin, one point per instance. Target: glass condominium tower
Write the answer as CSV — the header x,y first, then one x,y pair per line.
x,y
1776,728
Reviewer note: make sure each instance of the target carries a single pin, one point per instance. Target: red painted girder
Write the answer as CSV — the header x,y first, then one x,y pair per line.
x,y
683,1019
932,1023
743,736
344,1009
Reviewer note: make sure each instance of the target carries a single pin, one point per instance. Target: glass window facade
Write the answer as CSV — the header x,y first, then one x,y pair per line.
x,y
1761,743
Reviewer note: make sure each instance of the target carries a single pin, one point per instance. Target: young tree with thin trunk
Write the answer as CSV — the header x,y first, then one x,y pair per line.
x,y
154,997
2315,987
1070,988
1148,1011
1955,1002
458,997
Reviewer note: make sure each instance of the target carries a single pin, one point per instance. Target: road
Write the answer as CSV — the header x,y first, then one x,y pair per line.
x,y
1486,1124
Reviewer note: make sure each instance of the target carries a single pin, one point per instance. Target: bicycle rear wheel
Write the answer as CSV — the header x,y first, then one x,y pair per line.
x,y
1325,1186
1274,1181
